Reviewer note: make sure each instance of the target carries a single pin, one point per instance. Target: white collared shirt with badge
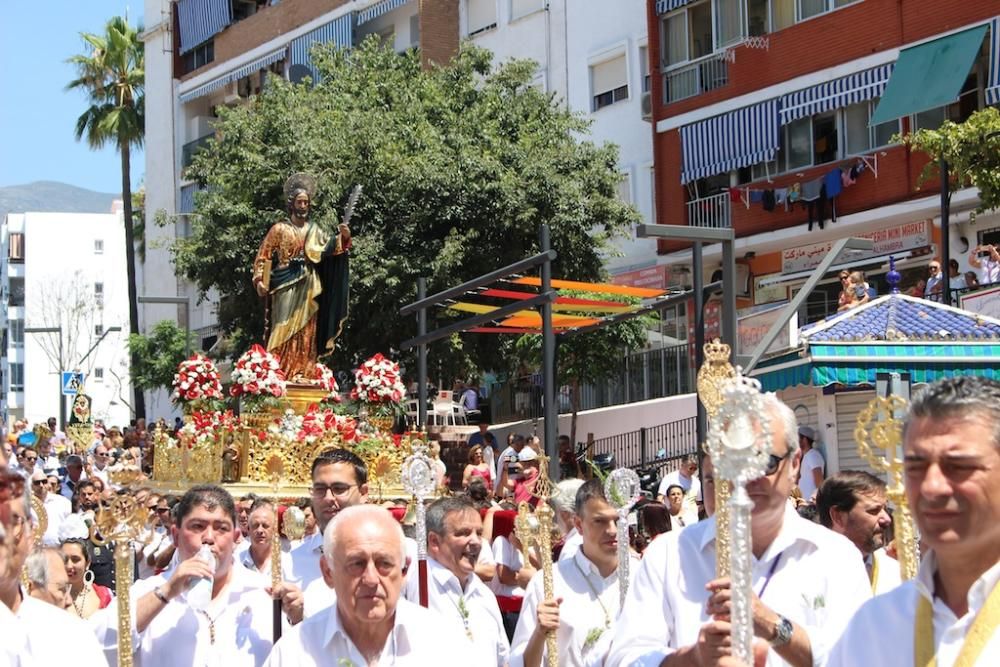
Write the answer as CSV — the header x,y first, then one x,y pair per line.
x,y
893,616
419,637
236,630
476,609
582,616
808,574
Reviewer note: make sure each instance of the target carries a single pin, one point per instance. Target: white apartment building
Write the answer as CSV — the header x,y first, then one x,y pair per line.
x,y
65,271
203,54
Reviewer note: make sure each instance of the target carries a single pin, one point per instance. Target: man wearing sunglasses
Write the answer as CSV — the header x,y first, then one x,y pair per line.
x,y
807,581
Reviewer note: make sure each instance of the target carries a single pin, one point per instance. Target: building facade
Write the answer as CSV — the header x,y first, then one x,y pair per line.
x,y
65,273
779,118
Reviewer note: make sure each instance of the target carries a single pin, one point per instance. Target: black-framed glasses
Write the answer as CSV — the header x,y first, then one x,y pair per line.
x,y
774,462
103,456
39,482
162,510
338,490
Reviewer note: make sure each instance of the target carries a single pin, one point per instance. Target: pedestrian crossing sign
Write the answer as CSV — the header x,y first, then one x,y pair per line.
x,y
72,382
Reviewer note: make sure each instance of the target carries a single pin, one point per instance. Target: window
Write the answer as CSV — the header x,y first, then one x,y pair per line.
x,y
825,137
99,374
15,247
16,292
519,8
17,333
16,376
98,246
99,293
644,67
858,136
98,329
609,82
798,142
415,30
199,56
625,188
810,8
687,34
482,15
782,14
729,21
652,195
757,20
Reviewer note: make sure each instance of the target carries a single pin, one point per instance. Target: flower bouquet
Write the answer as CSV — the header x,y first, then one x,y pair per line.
x,y
196,385
379,388
258,380
328,382
313,425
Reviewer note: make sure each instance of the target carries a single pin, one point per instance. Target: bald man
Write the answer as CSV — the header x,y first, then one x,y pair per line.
x,y
364,560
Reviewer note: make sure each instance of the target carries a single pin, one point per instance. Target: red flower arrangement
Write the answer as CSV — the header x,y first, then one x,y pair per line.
x,y
258,379
327,381
379,386
196,385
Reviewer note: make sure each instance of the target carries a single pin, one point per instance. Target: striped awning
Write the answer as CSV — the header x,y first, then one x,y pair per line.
x,y
200,20
737,139
235,75
993,86
859,364
379,9
664,6
340,31
847,90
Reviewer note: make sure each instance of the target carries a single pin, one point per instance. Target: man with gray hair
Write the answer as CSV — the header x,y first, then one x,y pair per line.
x,y
74,475
946,615
563,503
47,580
364,561
808,581
454,541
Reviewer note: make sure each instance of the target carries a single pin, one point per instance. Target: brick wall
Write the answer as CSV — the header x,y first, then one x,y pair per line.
x,y
438,31
840,36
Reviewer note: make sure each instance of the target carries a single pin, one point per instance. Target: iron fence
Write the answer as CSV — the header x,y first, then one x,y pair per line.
x,y
652,447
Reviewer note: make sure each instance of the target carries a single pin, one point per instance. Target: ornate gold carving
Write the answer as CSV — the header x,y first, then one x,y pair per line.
x,y
879,435
542,489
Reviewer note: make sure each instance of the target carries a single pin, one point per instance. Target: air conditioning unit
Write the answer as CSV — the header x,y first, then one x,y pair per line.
x,y
646,102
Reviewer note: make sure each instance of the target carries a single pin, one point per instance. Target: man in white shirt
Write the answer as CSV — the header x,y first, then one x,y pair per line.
x,y
811,469
986,258
947,615
506,462
47,580
47,461
853,503
257,558
587,593
236,626
454,541
364,562
74,476
807,580
100,468
687,478
57,508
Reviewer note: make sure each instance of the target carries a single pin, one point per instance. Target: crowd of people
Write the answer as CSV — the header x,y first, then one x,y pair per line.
x,y
826,585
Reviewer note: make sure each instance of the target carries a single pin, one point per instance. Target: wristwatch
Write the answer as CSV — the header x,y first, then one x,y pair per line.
x,y
782,632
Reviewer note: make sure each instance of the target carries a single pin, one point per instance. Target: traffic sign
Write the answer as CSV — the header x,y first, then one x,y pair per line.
x,y
72,382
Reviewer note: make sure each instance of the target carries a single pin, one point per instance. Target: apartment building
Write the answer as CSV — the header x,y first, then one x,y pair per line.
x,y
65,308
777,118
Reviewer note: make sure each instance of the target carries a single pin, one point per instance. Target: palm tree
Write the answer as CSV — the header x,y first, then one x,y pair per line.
x,y
112,77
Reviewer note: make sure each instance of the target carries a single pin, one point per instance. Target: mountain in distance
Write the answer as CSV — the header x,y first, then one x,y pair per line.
x,y
52,196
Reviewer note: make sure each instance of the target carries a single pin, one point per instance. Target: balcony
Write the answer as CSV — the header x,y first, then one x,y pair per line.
x,y
713,211
189,149
695,78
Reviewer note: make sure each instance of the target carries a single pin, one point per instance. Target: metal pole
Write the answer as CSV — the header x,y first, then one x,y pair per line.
x,y
945,236
62,399
729,294
421,355
698,278
549,362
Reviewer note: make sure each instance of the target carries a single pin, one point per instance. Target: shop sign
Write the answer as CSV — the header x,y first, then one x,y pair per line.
x,y
896,239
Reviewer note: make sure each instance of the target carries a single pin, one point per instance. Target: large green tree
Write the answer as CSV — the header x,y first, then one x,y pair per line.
x,y
111,75
460,166
158,354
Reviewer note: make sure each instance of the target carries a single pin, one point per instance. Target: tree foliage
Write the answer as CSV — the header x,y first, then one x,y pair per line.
x,y
972,150
460,166
157,355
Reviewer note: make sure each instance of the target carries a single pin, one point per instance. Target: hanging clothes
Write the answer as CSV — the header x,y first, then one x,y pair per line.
x,y
816,208
834,182
768,200
756,196
781,197
734,195
794,193
811,190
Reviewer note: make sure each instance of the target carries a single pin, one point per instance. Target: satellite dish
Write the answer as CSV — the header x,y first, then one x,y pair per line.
x,y
298,73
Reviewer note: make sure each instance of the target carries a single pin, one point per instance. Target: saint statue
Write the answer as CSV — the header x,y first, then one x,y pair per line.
x,y
302,271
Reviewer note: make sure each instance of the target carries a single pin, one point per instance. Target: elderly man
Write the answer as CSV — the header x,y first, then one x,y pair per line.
x,y
686,477
364,561
564,504
47,461
43,623
948,614
454,542
262,526
74,475
587,592
100,468
807,581
57,508
853,503
171,629
47,580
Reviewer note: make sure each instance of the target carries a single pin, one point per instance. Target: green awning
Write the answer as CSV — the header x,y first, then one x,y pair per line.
x,y
929,75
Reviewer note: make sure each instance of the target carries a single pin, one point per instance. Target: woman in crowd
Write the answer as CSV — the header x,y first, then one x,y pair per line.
x,y
477,467
846,297
88,597
675,506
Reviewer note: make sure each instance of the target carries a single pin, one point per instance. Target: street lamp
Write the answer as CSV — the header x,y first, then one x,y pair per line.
x,y
179,301
59,369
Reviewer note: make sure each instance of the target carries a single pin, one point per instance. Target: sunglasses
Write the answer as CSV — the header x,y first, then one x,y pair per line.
x,y
773,463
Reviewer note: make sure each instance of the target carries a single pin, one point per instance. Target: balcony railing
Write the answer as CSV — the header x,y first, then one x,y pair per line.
x,y
189,149
714,211
695,78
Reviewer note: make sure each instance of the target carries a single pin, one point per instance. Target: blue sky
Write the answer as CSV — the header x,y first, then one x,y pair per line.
x,y
37,115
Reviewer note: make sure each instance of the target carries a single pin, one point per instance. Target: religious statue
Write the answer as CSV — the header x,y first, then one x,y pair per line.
x,y
302,271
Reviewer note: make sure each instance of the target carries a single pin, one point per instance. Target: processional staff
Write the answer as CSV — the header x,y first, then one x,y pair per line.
x,y
622,489
542,529
418,480
739,442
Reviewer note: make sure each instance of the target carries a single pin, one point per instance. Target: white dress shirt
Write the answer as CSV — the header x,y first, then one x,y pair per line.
x,y
489,643
305,560
893,616
14,649
579,613
419,637
818,583
242,615
887,576
54,636
246,560
571,544
159,539
505,554
57,509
